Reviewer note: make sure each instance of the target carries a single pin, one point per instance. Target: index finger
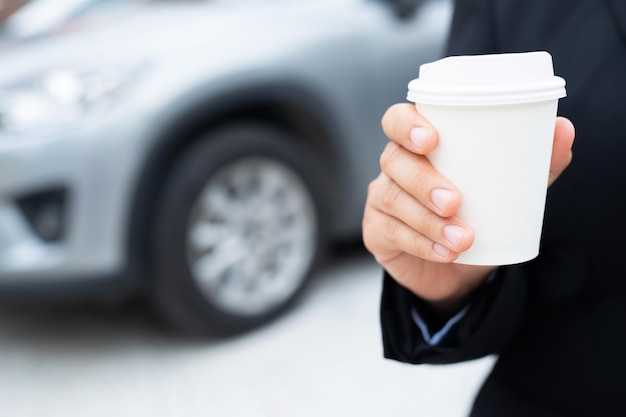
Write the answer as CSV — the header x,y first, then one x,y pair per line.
x,y
403,124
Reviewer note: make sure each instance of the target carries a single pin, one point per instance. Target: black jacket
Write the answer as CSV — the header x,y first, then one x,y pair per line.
x,y
557,323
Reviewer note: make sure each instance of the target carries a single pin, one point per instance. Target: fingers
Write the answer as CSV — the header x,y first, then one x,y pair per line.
x,y
402,224
416,175
411,207
564,134
406,127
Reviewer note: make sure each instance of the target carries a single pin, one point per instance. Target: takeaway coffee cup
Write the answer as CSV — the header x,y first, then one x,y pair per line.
x,y
495,115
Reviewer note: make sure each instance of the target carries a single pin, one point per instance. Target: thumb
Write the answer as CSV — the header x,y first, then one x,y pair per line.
x,y
564,133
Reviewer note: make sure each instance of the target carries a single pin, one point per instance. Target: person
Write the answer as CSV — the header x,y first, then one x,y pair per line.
x,y
557,324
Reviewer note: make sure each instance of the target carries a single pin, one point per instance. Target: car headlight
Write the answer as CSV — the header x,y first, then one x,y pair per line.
x,y
60,100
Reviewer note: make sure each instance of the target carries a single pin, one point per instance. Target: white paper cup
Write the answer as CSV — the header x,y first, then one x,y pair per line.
x,y
495,115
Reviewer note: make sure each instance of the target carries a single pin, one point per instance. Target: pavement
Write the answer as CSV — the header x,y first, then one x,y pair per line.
x,y
323,358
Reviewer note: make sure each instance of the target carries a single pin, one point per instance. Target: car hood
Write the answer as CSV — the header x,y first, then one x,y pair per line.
x,y
140,32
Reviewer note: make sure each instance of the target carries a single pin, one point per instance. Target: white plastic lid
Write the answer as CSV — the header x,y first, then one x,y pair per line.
x,y
487,80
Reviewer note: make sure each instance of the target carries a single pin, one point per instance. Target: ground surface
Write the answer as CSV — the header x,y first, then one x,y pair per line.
x,y
322,359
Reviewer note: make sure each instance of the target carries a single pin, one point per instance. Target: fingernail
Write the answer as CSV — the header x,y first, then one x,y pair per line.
x,y
418,136
441,250
440,198
454,234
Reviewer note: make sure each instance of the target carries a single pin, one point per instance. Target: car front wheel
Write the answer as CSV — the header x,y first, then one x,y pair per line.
x,y
238,229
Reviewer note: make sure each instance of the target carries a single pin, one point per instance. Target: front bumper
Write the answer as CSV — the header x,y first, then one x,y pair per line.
x,y
63,204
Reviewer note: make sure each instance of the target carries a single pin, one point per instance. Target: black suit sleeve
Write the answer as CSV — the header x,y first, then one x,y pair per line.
x,y
495,313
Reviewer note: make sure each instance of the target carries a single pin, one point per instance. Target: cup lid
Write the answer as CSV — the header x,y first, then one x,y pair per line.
x,y
487,80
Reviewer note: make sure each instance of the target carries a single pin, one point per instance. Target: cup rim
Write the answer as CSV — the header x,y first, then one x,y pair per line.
x,y
427,93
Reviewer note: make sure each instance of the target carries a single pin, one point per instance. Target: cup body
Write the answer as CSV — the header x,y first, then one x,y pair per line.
x,y
498,156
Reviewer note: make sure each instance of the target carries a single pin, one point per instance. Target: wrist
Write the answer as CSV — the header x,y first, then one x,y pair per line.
x,y
470,278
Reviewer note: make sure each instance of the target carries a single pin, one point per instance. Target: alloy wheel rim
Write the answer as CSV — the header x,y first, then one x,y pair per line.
x,y
252,236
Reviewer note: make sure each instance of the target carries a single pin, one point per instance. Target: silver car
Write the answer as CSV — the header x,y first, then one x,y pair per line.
x,y
202,152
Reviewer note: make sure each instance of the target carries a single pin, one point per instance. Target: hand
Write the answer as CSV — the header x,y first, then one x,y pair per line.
x,y
410,223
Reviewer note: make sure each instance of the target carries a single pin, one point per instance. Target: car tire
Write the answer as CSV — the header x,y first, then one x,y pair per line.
x,y
238,230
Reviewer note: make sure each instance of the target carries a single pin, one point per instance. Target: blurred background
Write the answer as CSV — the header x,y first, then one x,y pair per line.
x,y
181,191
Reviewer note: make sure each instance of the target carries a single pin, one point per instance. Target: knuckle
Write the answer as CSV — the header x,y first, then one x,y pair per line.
x,y
368,222
388,155
418,245
430,223
384,121
417,180
372,187
387,121
391,230
370,234
390,196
